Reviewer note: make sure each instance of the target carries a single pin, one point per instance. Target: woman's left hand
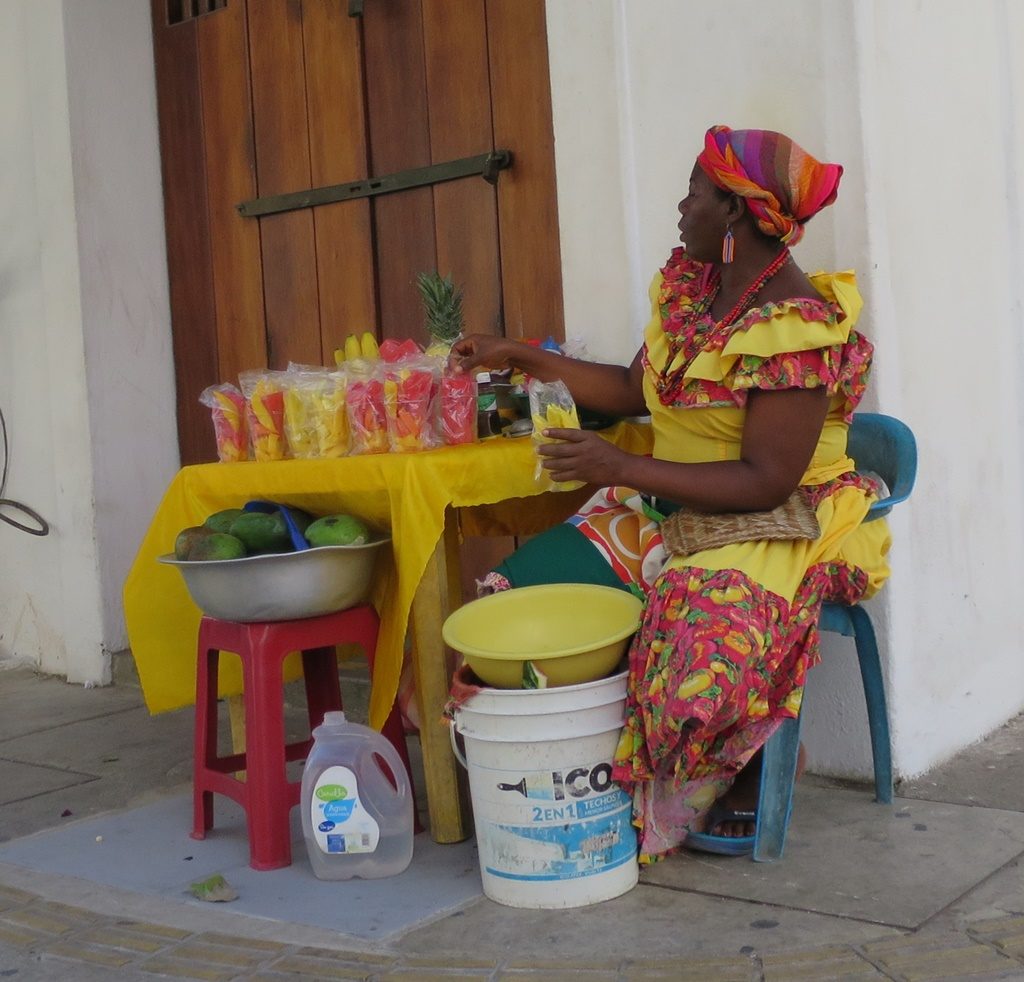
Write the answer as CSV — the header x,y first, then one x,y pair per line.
x,y
581,455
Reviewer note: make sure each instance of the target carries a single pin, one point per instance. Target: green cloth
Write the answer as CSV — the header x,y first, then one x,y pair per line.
x,y
562,554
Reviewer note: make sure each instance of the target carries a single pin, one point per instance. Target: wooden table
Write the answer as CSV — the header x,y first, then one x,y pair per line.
x,y
426,500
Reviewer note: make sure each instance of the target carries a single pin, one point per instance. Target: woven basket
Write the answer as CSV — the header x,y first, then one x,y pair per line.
x,y
686,532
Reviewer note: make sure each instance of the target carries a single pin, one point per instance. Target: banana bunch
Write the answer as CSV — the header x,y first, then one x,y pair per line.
x,y
357,347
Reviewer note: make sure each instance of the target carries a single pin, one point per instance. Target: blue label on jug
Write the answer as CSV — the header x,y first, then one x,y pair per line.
x,y
338,811
339,821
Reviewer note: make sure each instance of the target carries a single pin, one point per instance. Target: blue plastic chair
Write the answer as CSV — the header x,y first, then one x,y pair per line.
x,y
887,447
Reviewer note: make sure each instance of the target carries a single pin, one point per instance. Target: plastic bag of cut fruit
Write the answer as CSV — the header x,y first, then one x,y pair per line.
x,y
227,408
302,388
410,388
264,400
332,427
315,417
367,415
457,408
551,407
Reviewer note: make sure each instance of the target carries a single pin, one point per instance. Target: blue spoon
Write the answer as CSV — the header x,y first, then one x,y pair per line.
x,y
268,508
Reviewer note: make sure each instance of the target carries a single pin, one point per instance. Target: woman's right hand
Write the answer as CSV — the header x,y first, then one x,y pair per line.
x,y
481,351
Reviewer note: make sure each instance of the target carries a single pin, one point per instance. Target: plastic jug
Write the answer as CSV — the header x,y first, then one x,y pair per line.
x,y
355,822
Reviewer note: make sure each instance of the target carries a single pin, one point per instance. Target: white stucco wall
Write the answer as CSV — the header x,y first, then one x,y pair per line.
x,y
85,366
943,136
922,104
50,593
123,275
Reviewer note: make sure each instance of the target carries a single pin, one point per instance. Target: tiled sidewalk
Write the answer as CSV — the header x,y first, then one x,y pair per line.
x,y
62,937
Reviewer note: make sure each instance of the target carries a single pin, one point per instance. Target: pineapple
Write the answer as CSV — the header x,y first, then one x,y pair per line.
x,y
442,303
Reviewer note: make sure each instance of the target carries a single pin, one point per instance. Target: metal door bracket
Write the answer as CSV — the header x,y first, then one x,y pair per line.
x,y
485,165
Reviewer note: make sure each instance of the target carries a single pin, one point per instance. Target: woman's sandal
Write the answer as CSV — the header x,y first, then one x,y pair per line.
x,y
723,845
728,845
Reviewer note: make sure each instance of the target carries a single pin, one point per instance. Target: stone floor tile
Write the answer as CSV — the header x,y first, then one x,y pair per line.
x,y
447,961
1006,933
641,974
557,964
967,961
996,925
111,936
320,968
219,954
685,969
553,975
21,937
166,965
239,941
20,780
905,944
77,915
38,918
13,897
356,957
148,930
440,975
94,954
817,965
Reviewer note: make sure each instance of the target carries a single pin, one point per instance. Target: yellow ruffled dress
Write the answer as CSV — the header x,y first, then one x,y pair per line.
x,y
729,633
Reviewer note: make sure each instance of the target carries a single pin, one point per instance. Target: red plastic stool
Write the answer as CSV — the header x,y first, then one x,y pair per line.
x,y
266,794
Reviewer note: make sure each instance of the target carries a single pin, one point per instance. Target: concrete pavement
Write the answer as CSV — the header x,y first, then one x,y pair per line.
x,y
932,888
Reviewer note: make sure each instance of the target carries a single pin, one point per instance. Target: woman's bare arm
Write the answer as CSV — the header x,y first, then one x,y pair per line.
x,y
609,389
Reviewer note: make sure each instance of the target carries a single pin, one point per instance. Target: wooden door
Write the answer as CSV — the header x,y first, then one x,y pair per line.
x,y
261,97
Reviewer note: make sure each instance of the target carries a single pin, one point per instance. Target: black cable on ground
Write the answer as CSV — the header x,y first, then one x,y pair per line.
x,y
9,503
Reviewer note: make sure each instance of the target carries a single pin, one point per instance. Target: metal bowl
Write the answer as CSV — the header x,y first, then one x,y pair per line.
x,y
282,586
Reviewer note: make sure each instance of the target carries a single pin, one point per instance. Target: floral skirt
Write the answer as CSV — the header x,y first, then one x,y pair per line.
x,y
725,642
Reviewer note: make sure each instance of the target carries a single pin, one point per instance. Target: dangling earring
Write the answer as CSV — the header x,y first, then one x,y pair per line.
x,y
728,245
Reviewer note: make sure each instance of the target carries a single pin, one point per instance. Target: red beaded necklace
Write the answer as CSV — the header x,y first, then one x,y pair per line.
x,y
668,383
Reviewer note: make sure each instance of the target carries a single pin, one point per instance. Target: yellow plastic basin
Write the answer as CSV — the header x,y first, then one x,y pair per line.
x,y
572,632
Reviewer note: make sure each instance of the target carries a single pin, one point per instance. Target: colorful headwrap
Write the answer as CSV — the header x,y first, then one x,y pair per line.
x,y
782,184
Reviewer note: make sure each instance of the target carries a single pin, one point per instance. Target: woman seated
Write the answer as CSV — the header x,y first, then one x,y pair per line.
x,y
750,371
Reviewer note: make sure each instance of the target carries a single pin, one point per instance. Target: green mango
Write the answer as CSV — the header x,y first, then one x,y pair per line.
x,y
221,521
187,538
215,546
338,530
261,532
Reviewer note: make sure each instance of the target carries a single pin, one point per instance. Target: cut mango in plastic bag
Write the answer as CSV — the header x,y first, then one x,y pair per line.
x,y
266,406
298,423
555,417
332,421
228,410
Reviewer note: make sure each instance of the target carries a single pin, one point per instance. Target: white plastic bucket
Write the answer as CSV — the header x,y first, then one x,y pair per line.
x,y
553,830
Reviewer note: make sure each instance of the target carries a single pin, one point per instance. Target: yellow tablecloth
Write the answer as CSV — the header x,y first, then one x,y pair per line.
x,y
404,493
